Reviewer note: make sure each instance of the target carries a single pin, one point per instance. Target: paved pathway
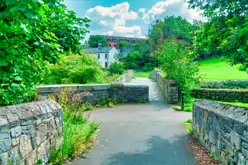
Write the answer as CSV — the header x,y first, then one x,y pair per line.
x,y
154,92
140,134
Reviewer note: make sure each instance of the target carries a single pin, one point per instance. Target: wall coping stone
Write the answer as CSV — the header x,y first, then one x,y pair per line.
x,y
231,112
27,111
79,87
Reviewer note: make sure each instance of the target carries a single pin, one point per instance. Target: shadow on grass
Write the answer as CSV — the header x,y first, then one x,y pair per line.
x,y
160,152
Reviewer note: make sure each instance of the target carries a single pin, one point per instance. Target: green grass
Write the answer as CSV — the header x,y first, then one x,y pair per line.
x,y
236,104
218,69
188,126
142,74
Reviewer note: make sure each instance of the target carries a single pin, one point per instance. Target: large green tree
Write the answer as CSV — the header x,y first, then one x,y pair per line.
x,y
33,33
170,27
95,40
226,31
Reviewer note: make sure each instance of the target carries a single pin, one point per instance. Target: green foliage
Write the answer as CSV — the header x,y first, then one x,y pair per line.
x,y
188,126
177,109
79,132
116,68
148,67
230,84
33,33
226,30
170,27
135,60
139,57
123,43
83,69
95,40
178,64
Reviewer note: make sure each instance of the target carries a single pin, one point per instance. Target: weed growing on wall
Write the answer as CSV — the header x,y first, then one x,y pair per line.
x,y
79,132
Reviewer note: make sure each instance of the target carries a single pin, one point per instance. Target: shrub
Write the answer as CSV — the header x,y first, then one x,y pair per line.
x,y
116,68
75,69
149,65
147,69
132,65
230,84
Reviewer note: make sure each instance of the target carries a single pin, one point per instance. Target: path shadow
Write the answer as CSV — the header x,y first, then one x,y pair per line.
x,y
160,152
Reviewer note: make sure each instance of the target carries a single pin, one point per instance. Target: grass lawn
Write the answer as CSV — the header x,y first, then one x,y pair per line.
x,y
218,69
142,74
236,104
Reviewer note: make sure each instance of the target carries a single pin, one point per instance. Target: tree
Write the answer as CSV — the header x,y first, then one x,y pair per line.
x,y
178,64
32,34
124,43
226,30
95,40
170,27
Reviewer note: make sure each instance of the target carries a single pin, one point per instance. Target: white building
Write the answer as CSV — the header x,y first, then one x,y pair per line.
x,y
105,56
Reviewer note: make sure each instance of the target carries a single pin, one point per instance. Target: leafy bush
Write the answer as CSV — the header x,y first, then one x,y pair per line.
x,y
230,84
132,65
116,68
148,67
178,64
75,69
79,132
139,57
32,34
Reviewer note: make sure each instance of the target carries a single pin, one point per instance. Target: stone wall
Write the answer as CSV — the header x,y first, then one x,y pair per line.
x,y
96,92
222,130
130,93
28,131
169,88
125,78
228,95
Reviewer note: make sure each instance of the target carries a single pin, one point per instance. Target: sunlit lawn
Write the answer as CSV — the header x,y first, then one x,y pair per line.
x,y
218,69
142,74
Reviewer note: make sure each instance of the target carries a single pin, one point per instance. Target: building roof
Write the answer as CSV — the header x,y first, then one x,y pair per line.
x,y
122,37
97,50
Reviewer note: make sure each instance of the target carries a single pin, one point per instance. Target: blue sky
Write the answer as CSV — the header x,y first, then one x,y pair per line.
x,y
128,18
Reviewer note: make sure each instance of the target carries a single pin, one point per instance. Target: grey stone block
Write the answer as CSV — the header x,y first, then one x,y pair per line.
x,y
4,158
5,145
3,121
16,131
25,146
236,140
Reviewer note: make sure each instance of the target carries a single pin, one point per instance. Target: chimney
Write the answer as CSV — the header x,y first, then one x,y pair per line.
x,y
99,45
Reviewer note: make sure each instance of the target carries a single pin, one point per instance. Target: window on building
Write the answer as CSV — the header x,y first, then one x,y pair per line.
x,y
106,56
106,64
98,56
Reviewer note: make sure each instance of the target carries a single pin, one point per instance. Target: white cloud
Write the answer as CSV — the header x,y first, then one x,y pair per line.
x,y
120,20
109,33
142,10
172,7
104,23
113,20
